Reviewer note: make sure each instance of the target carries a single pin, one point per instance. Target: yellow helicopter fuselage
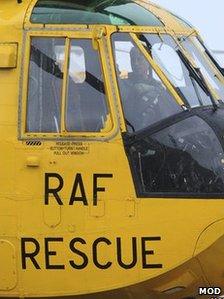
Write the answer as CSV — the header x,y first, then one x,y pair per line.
x,y
73,221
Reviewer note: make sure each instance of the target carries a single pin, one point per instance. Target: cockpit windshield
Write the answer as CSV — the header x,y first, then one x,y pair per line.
x,y
214,58
205,66
188,83
145,98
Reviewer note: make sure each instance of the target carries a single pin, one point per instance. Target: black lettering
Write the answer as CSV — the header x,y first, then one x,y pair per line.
x,y
30,255
95,258
146,252
134,254
78,183
49,253
97,189
55,191
78,252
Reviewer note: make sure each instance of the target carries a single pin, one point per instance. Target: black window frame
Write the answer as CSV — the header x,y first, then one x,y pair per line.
x,y
205,113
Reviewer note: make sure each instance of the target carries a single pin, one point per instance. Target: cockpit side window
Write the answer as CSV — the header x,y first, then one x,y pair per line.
x,y
184,159
144,97
86,107
45,86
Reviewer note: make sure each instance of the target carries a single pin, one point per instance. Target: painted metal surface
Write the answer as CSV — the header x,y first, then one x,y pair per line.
x,y
94,234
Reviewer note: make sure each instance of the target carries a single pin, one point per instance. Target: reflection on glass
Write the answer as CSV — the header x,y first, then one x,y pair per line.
x,y
172,67
115,12
204,65
86,106
184,158
219,56
164,51
77,62
45,85
215,59
144,98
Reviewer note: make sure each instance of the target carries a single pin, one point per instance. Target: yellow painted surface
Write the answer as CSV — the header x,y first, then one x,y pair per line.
x,y
119,215
8,55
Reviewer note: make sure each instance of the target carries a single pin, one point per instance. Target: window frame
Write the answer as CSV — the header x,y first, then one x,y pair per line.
x,y
173,35
191,59
129,139
106,133
209,61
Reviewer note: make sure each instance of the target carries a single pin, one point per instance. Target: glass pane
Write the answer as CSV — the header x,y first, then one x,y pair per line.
x,y
219,56
45,85
204,65
185,157
163,50
86,109
144,97
172,66
212,55
115,12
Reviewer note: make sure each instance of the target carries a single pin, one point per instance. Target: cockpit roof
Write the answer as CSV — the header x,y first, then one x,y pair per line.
x,y
108,12
135,13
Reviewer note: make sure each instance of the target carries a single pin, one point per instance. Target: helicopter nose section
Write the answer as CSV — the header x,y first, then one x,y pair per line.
x,y
211,256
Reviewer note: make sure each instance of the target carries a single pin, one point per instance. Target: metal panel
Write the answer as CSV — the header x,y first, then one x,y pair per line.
x,y
8,55
8,274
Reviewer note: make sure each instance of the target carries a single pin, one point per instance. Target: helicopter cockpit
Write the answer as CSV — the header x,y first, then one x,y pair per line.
x,y
171,92
112,121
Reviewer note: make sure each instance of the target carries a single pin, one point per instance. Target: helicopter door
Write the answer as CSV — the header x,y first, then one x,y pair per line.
x,y
66,116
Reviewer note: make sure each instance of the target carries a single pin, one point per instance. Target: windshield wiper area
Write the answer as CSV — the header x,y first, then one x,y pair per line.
x,y
197,75
215,62
215,104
